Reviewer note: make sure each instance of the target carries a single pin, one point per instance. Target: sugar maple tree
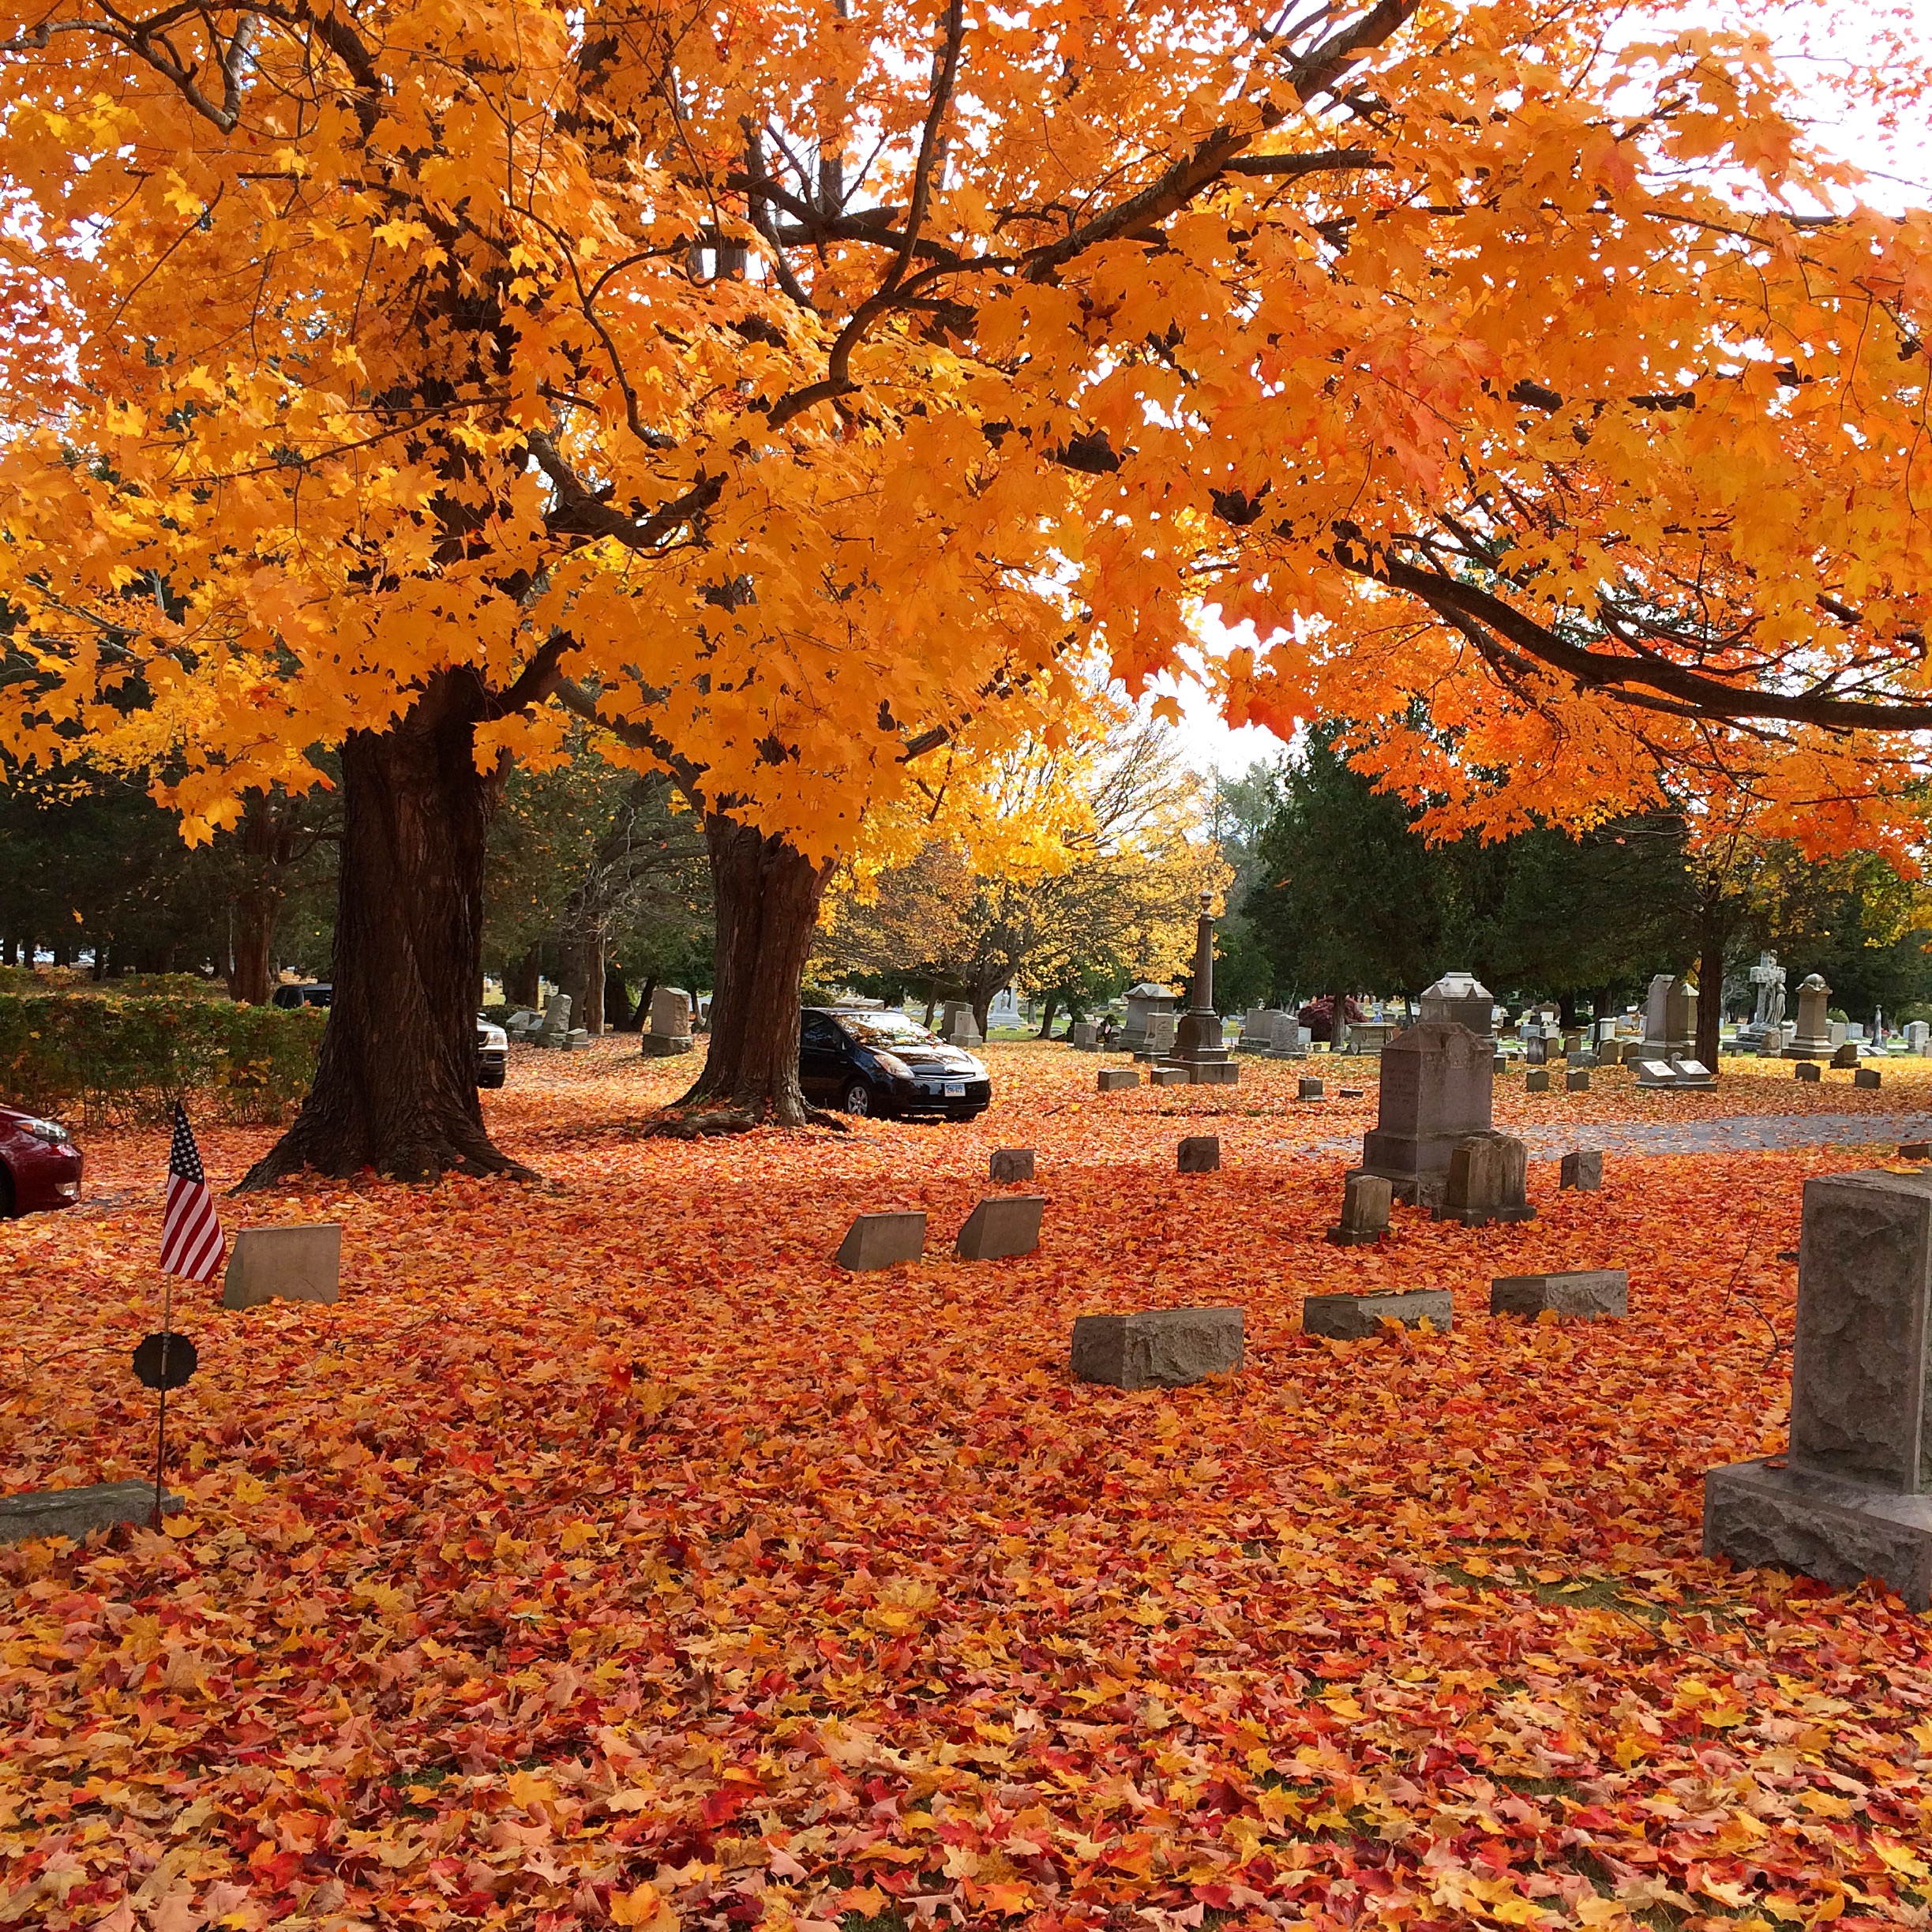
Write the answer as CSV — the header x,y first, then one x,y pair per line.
x,y
789,386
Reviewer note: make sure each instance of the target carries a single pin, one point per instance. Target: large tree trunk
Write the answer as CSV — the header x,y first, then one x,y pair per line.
x,y
520,979
1050,1005
251,945
396,1086
582,977
766,895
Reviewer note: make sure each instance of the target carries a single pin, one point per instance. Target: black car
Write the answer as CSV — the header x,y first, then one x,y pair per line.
x,y
492,1044
868,1061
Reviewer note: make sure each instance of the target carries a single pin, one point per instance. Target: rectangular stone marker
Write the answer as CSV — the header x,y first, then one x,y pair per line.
x,y
1008,1223
1655,1073
1592,1291
1309,1088
1851,1498
1916,1150
1583,1169
1353,1318
1213,1073
1167,1076
883,1241
1488,1176
1158,1349
73,1513
1498,1064
1866,1077
293,1264
1536,1080
1693,1073
1010,1164
1366,1199
1112,1079
1199,1154
1086,1036
1577,1080
1806,1070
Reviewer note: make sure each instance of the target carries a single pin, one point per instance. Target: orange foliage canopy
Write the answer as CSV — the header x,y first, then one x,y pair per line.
x,y
791,381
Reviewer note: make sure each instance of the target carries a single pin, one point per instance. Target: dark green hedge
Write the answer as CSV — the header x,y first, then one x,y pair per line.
x,y
105,1060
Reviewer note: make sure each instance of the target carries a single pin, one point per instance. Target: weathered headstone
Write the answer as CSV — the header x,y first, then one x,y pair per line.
x,y
1917,1034
1849,1497
883,1241
74,1513
958,1025
1536,1050
1577,1080
1670,1017
1159,1076
1764,1030
1488,1177
1460,996
290,1264
1866,1077
1916,1150
1584,1169
1292,1039
1159,1040
1197,1039
1199,1154
1010,1164
1310,1087
1143,1002
1353,1317
1157,1349
1655,1073
1365,1203
1436,1087
1806,1070
1691,1073
1086,1037
1592,1291
1004,1223
1813,1039
1112,1079
1536,1080
670,1030
1845,1054
554,1030
1212,1072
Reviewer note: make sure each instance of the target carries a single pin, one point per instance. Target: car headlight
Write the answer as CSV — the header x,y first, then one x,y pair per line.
x,y
893,1065
49,1130
496,1040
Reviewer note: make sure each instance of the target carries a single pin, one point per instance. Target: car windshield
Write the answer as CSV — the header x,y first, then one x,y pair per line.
x,y
887,1029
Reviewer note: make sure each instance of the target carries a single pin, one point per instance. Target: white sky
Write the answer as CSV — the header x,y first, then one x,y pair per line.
x,y
1815,37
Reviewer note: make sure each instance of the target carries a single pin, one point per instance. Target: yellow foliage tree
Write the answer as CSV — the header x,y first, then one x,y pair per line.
x,y
793,387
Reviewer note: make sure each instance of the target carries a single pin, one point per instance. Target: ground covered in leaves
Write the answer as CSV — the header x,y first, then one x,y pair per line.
x,y
607,1556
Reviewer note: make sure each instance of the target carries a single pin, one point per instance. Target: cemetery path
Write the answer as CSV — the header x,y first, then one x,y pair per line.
x,y
1722,1133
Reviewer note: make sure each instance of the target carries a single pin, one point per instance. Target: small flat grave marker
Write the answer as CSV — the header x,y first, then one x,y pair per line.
x,y
1199,1154
1866,1077
1350,1093
1310,1088
290,1264
1010,1164
1577,1080
1007,1224
1157,1349
1806,1070
1353,1317
1591,1292
883,1241
1583,1169
1112,1079
1167,1076
1366,1199
73,1513
1536,1080
1916,1150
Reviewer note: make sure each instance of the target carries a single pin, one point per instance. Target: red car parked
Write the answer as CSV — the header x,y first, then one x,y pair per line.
x,y
39,1165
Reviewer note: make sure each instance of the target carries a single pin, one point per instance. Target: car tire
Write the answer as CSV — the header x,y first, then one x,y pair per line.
x,y
857,1097
490,1081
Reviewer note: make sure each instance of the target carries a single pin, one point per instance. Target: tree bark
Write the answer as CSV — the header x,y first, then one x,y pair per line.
x,y
582,977
395,1086
619,1016
766,895
251,946
1712,934
520,979
1050,1005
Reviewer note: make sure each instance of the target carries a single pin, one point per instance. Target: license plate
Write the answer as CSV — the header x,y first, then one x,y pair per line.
x,y
955,1089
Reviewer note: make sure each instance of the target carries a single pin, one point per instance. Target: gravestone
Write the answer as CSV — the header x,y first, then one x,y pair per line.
x,y
1354,1318
1807,1070
1536,1050
1459,996
74,1513
1158,1042
1292,1039
1198,1040
1257,1033
1655,1073
1086,1036
1577,1080
883,1241
1917,1033
290,1264
1765,1026
1916,1150
1813,1038
1437,1081
1487,1180
1010,1164
1112,1079
1536,1080
1157,1349
1365,1202
1691,1073
1852,1496
554,1029
670,1030
1609,1052
1212,1073
1143,1002
1591,1292
523,1023
1199,1154
1006,1224
1167,1076
1670,1017
1845,1054
1866,1077
1310,1087
1584,1169
958,1025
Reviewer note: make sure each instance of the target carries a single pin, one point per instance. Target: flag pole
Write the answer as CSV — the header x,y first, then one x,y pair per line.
x,y
160,1436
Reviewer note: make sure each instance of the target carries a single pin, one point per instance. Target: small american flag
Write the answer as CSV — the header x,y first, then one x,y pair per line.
x,y
191,1241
